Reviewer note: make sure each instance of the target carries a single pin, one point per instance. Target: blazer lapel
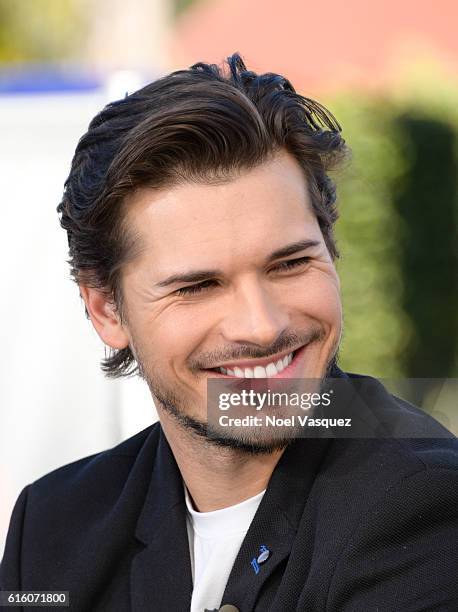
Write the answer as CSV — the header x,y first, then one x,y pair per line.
x,y
161,573
277,519
275,523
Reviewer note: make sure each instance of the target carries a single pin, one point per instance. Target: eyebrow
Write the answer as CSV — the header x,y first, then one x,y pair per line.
x,y
199,276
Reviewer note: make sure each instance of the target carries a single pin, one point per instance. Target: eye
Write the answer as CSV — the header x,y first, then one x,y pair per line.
x,y
194,289
292,263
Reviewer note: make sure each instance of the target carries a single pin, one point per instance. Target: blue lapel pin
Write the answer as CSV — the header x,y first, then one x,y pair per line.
x,y
264,554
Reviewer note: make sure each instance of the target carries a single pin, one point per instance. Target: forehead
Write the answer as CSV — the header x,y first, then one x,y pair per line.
x,y
188,221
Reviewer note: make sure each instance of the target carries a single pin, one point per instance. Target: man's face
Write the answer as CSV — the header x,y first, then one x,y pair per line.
x,y
249,308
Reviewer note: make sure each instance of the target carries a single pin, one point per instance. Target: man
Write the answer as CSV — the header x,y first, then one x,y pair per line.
x,y
200,217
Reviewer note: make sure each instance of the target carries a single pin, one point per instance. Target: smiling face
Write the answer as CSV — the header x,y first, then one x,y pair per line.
x,y
233,275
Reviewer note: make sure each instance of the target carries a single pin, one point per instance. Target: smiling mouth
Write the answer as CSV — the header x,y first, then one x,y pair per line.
x,y
270,370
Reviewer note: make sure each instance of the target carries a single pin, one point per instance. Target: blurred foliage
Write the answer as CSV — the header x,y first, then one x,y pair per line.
x,y
376,329
40,30
426,198
397,232
180,6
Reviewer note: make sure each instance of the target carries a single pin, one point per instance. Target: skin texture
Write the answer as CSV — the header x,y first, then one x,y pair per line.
x,y
249,310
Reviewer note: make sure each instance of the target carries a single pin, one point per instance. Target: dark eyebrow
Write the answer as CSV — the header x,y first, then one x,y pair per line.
x,y
301,245
200,276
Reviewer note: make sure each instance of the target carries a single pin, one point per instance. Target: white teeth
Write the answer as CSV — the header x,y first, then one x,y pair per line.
x,y
271,369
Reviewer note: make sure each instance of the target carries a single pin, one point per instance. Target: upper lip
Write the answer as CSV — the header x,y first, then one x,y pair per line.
x,y
256,362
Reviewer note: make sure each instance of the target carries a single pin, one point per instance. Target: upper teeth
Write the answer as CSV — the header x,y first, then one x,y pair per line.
x,y
271,369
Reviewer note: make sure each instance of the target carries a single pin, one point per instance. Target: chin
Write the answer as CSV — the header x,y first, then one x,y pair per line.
x,y
255,445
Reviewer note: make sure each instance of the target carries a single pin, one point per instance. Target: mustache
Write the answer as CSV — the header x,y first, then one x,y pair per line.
x,y
290,340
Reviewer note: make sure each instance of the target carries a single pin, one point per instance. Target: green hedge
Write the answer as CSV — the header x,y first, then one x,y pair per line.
x,y
397,235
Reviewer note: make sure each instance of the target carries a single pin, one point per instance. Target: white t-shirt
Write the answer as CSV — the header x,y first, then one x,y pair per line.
x,y
214,541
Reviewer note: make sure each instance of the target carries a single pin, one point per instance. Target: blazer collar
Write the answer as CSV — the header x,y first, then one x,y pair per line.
x,y
276,521
161,576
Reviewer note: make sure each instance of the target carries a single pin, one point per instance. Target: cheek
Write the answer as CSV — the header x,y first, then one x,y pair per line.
x,y
319,298
168,338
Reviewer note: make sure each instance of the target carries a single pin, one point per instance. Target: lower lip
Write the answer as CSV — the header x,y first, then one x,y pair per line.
x,y
293,370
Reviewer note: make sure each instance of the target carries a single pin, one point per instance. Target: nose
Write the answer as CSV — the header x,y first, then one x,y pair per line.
x,y
255,316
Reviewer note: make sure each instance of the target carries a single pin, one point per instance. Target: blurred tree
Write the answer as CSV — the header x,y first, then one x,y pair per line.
x,y
397,234
426,197
41,30
180,6
376,329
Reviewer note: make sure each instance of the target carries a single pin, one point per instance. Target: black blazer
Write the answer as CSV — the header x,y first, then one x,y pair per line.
x,y
352,525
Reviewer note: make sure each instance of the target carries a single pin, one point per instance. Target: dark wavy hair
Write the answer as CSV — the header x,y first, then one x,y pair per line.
x,y
204,124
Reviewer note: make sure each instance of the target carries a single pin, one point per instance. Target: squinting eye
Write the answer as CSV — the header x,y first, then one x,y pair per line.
x,y
292,263
206,285
193,289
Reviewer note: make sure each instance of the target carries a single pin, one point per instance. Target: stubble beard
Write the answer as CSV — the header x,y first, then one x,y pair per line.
x,y
176,407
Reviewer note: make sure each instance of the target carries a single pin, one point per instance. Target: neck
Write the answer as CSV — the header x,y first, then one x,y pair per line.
x,y
217,477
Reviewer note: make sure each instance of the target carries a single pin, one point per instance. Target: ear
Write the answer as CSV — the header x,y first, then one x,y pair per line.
x,y
104,318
